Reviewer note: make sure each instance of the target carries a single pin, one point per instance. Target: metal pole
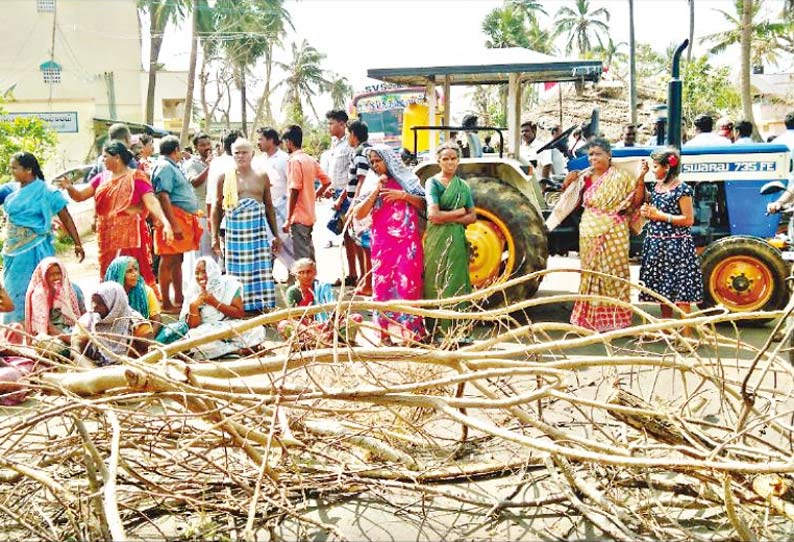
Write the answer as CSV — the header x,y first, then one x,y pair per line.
x,y
632,67
674,92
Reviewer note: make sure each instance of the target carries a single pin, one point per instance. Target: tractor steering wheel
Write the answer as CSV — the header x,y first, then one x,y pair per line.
x,y
554,143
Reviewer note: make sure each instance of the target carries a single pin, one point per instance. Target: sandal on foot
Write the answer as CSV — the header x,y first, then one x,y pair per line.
x,y
351,280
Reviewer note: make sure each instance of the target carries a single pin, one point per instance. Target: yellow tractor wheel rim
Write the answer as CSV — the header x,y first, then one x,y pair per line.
x,y
741,283
493,252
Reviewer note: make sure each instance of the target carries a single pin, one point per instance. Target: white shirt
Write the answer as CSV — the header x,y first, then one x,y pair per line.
x,y
528,153
275,166
220,165
786,138
555,158
339,163
708,139
744,141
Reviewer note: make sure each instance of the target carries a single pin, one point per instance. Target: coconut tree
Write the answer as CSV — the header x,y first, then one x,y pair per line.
x,y
200,9
504,27
610,53
305,79
160,14
582,26
244,43
527,8
340,91
539,39
763,34
275,20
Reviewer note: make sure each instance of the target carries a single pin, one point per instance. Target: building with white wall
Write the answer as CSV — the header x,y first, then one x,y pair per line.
x,y
70,61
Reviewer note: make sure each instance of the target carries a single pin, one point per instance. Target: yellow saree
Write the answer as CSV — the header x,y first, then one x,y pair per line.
x,y
604,247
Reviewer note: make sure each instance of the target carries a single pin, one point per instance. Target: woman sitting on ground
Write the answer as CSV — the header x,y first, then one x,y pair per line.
x,y
213,303
12,367
142,298
52,303
113,329
318,329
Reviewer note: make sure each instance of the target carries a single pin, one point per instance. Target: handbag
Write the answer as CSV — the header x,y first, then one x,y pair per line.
x,y
337,223
569,201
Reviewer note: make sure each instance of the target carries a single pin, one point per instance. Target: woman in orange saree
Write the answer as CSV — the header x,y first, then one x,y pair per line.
x,y
123,199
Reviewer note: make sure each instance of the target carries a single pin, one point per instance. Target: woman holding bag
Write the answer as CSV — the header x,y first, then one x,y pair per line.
x,y
609,197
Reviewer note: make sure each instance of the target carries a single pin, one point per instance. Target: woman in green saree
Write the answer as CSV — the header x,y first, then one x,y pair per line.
x,y
450,208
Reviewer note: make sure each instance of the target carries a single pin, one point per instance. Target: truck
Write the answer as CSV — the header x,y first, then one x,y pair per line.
x,y
742,270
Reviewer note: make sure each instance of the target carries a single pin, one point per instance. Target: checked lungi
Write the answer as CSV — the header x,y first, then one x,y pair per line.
x,y
248,254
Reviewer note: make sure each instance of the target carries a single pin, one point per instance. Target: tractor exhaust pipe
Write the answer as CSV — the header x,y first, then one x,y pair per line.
x,y
674,91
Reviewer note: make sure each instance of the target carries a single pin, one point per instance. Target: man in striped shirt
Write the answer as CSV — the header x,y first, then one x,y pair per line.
x,y
357,135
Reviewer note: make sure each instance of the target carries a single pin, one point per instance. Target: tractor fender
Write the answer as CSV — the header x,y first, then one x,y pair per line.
x,y
505,170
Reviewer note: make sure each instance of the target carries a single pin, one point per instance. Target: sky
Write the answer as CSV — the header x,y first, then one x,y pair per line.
x,y
356,35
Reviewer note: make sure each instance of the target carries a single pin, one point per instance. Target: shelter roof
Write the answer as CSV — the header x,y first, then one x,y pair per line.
x,y
487,67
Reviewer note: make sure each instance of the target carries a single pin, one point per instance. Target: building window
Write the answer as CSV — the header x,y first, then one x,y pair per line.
x,y
45,6
51,71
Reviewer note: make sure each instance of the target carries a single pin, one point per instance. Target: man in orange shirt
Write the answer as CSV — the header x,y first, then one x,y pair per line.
x,y
302,170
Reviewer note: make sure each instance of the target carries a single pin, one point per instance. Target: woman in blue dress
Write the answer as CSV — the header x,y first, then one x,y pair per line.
x,y
30,206
670,266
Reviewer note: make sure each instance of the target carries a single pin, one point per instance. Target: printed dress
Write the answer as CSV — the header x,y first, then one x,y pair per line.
x,y
670,266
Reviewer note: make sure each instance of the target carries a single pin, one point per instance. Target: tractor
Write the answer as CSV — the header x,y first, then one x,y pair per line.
x,y
742,270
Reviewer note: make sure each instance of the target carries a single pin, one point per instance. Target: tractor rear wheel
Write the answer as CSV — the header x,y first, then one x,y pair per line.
x,y
507,241
744,274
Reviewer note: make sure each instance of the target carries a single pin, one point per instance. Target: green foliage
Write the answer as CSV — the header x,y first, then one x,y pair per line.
x,y
340,91
709,90
487,102
316,139
505,28
23,134
516,25
305,79
765,35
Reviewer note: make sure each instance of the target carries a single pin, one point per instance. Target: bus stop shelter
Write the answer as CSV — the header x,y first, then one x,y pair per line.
x,y
513,66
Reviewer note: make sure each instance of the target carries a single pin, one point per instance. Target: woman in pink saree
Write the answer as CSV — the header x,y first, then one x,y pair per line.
x,y
392,195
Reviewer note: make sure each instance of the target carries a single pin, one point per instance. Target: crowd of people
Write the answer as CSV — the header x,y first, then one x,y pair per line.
x,y
226,217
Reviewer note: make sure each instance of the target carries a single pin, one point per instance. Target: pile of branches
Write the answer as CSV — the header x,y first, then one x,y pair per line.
x,y
526,429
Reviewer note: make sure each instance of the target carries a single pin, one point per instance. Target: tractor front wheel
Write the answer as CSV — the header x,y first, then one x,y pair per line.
x,y
507,241
744,274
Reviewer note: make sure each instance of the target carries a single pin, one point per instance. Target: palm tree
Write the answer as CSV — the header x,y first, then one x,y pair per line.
x,y
610,53
582,26
199,9
244,44
787,18
746,45
305,79
160,14
340,91
275,20
528,8
504,28
539,39
764,35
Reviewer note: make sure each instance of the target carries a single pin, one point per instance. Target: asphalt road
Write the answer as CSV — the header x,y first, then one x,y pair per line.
x,y
331,259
